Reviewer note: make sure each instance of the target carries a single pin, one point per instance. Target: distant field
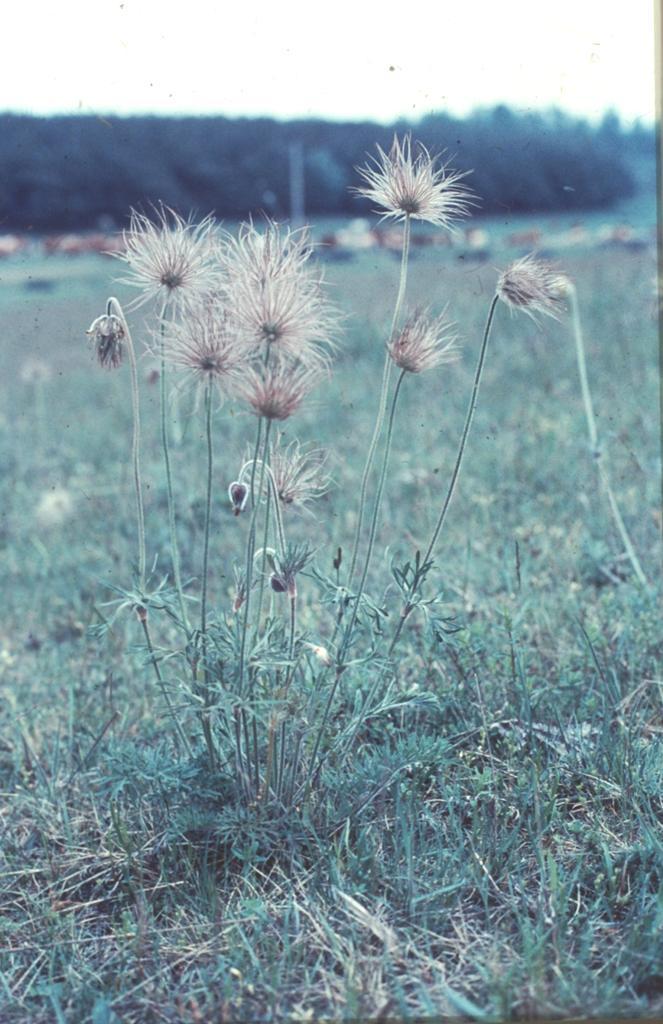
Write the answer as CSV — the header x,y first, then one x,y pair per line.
x,y
520,875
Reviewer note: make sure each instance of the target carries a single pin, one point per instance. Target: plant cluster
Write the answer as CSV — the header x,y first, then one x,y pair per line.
x,y
247,316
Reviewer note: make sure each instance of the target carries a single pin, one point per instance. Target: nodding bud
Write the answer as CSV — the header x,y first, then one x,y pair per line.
x,y
238,494
278,584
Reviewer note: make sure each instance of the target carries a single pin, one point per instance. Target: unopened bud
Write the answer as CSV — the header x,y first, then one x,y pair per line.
x,y
278,584
238,494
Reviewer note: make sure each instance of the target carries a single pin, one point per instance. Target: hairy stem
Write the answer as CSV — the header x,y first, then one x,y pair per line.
x,y
250,548
598,455
113,304
407,607
382,405
142,615
207,731
347,636
174,549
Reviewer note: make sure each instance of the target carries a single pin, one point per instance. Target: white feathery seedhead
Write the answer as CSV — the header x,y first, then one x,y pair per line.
x,y
404,184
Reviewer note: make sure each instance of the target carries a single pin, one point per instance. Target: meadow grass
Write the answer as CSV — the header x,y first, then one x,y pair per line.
x,y
515,867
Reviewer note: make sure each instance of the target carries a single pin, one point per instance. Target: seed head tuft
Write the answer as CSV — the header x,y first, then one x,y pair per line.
x,y
206,344
274,294
425,342
168,257
277,390
298,474
418,186
534,287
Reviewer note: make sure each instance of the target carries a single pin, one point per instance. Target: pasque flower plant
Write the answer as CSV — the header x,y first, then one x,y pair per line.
x,y
245,318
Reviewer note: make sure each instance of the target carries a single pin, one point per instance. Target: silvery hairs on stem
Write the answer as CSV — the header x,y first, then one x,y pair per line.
x,y
533,286
406,184
275,293
168,257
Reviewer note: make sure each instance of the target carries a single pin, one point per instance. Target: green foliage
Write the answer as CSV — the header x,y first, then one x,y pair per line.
x,y
486,842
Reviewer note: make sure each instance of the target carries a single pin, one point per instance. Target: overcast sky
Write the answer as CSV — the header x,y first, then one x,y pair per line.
x,y
350,59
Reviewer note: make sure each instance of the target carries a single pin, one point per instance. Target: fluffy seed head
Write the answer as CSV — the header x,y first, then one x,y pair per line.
x,y
534,287
168,257
107,336
298,474
277,390
205,344
274,294
424,342
416,185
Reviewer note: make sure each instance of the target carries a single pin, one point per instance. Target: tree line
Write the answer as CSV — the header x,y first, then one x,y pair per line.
x,y
75,172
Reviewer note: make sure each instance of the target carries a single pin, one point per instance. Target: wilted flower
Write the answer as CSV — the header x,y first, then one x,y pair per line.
x,y
298,474
107,336
274,295
172,258
424,343
238,494
277,390
206,344
288,566
415,186
533,287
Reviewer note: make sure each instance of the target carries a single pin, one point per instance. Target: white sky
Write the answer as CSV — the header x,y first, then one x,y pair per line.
x,y
288,58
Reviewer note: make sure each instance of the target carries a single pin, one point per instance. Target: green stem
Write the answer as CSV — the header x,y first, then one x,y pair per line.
x,y
598,455
314,769
382,405
150,647
113,304
347,636
174,549
207,731
250,549
208,507
407,608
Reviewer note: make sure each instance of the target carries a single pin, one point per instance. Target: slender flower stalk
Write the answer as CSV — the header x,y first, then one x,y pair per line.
x,y
597,453
111,334
203,600
469,416
347,636
165,447
142,615
314,765
382,402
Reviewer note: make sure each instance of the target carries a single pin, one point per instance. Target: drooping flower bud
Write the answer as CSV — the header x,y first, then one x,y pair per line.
x,y
278,584
238,494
